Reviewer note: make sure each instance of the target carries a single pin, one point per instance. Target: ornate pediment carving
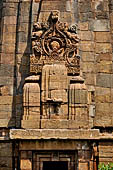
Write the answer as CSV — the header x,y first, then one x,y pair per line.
x,y
54,42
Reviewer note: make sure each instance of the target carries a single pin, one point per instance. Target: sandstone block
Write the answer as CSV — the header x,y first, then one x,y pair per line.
x,y
90,79
83,26
85,7
103,95
87,35
88,67
8,11
84,17
7,59
8,48
104,67
6,100
87,56
102,36
99,25
87,46
57,6
103,120
54,124
5,91
9,38
10,20
81,114
103,109
30,124
104,57
103,80
65,17
75,124
4,122
83,165
9,29
103,48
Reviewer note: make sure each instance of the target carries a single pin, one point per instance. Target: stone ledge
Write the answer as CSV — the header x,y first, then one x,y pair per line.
x,y
53,134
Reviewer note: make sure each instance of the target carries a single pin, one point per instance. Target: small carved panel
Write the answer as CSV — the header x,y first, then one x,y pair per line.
x,y
54,42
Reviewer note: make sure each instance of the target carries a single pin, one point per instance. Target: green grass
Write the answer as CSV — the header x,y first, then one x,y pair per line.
x,y
102,166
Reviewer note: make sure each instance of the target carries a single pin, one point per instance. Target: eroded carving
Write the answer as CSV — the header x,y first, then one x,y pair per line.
x,y
54,42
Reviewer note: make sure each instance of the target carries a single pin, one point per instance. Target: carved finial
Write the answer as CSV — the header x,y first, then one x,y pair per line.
x,y
54,16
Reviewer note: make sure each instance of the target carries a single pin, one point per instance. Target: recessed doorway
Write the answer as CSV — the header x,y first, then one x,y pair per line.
x,y
55,165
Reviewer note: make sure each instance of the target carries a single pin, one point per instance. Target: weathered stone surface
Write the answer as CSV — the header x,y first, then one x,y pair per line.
x,y
102,36
88,67
87,46
83,26
54,124
103,80
6,100
86,35
87,56
56,134
103,48
104,67
100,25
83,166
104,57
103,95
30,124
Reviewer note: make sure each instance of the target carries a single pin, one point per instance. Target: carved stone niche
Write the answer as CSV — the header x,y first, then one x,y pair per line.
x,y
54,42
55,96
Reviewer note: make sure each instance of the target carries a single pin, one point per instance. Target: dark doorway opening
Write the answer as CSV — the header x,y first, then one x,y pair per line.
x,y
55,165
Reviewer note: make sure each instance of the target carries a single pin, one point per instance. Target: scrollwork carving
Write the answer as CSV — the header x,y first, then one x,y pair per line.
x,y
54,41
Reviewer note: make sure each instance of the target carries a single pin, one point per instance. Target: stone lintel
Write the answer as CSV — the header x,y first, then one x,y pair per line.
x,y
53,134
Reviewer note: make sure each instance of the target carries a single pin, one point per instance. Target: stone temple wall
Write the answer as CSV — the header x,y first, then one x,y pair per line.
x,y
94,20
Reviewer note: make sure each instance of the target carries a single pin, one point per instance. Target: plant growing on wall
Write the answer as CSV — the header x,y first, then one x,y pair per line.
x,y
102,166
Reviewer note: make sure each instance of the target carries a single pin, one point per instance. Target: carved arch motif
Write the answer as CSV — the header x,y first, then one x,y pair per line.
x,y
54,42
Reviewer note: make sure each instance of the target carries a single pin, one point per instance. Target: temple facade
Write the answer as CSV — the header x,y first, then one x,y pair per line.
x,y
56,84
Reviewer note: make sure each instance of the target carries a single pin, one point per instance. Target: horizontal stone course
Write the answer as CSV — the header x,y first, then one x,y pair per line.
x,y
54,134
